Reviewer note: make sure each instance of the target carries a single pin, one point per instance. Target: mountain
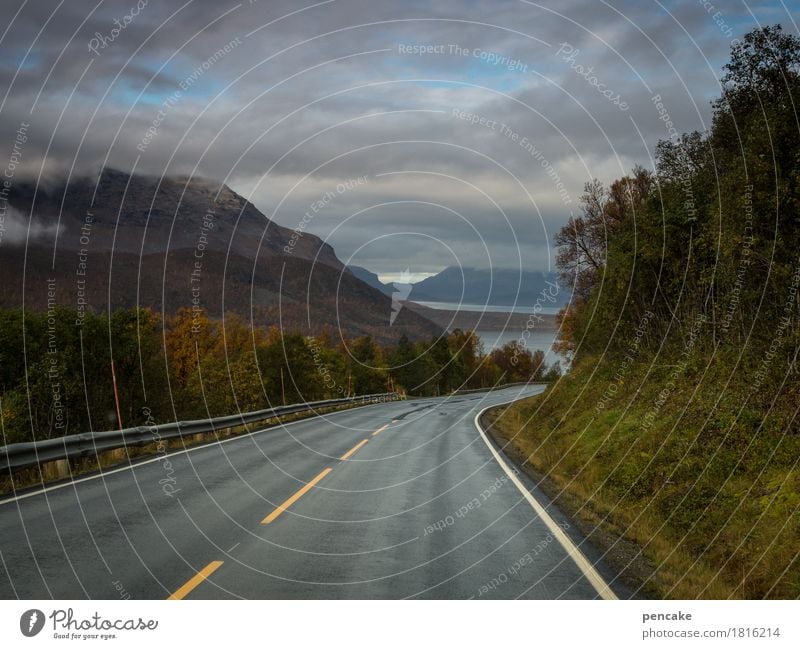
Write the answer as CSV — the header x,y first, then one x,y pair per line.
x,y
501,287
368,277
166,243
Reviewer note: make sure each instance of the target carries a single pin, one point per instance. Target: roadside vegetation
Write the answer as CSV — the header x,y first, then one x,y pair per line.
x,y
56,375
677,426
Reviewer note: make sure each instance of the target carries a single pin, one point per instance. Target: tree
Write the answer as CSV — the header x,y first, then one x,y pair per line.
x,y
401,364
367,375
553,372
517,363
466,350
582,242
188,336
707,235
449,370
330,366
763,70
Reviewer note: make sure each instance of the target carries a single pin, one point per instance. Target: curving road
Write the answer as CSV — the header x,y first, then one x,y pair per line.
x,y
395,500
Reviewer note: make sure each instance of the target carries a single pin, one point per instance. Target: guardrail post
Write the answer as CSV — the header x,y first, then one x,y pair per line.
x,y
60,468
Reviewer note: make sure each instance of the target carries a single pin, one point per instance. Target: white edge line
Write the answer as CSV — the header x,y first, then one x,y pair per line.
x,y
585,566
160,457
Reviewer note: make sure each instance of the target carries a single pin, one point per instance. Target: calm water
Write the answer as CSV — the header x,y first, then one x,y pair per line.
x,y
489,308
542,339
539,339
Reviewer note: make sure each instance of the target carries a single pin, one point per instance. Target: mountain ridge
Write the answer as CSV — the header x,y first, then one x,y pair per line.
x,y
497,287
169,243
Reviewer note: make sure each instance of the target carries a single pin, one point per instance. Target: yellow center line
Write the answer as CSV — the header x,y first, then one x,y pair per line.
x,y
299,494
354,449
195,581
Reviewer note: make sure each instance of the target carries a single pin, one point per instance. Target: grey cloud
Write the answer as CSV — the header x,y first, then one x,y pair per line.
x,y
587,136
17,228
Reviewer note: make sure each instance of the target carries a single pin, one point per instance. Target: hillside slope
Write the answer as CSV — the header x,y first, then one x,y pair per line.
x,y
174,242
709,492
498,286
677,429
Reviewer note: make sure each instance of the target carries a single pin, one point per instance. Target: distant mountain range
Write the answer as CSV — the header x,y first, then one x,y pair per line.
x,y
368,277
499,287
173,242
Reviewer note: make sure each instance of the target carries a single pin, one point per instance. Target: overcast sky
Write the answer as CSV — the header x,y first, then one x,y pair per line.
x,y
364,109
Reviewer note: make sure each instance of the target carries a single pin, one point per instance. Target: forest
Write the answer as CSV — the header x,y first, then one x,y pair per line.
x,y
676,427
56,368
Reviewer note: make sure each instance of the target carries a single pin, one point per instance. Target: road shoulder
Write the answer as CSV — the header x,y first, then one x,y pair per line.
x,y
631,572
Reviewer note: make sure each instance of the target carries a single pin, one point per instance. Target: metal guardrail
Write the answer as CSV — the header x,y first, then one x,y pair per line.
x,y
500,387
28,454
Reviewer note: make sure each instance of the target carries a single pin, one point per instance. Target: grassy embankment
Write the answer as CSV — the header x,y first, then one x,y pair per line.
x,y
710,492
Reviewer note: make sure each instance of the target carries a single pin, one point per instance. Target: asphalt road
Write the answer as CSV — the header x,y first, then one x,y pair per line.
x,y
421,509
